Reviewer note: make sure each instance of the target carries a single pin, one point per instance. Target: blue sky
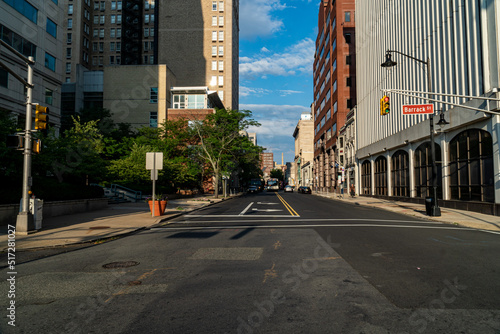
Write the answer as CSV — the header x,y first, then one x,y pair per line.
x,y
277,41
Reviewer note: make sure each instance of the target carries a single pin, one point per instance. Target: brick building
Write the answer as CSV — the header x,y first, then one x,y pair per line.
x,y
334,85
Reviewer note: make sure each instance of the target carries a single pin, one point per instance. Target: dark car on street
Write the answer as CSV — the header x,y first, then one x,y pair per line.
x,y
304,190
253,189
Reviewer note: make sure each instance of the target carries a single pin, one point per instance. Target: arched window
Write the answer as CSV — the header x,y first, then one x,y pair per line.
x,y
366,178
471,166
381,176
423,170
400,174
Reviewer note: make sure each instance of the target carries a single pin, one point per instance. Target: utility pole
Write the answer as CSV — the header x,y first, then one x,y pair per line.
x,y
24,221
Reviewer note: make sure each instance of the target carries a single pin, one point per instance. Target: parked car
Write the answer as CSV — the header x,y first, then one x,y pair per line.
x,y
304,190
289,189
253,189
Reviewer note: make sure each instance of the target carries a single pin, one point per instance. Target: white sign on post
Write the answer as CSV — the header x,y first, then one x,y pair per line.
x,y
154,162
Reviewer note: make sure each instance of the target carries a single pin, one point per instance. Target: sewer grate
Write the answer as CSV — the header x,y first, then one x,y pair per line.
x,y
117,265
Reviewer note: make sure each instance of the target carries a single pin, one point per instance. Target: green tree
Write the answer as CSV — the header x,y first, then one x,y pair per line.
x,y
278,174
219,138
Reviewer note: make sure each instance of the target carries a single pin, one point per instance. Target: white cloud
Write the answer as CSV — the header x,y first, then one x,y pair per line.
x,y
278,123
256,19
264,49
247,91
297,58
287,92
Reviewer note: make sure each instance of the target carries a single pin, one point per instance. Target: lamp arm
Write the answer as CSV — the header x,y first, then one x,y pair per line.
x,y
403,54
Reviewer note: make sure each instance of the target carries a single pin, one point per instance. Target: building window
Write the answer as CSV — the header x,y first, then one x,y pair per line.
x,y
111,60
348,82
214,65
68,53
101,60
102,19
221,20
153,119
50,62
151,32
179,102
70,9
4,78
214,36
214,5
347,38
348,16
153,95
118,58
101,33
96,19
349,104
118,32
221,80
25,8
366,178
69,37
348,60
94,46
400,174
96,5
151,60
48,96
221,6
70,23
221,95
103,5
94,60
221,35
221,65
112,32
113,5
68,67
146,5
146,18
101,46
328,114
214,20
113,19
118,46
221,50
471,166
334,44
334,66
119,5
335,108
118,19
381,176
214,50
334,86
423,170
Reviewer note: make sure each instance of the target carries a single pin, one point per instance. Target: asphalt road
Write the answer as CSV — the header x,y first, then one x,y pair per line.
x,y
269,263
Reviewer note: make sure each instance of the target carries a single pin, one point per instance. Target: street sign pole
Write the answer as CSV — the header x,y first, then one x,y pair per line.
x,y
154,162
24,220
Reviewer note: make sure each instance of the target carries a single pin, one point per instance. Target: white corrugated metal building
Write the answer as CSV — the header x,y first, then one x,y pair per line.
x,y
461,39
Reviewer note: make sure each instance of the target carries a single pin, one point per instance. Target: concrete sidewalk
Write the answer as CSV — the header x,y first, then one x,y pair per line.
x,y
92,226
450,216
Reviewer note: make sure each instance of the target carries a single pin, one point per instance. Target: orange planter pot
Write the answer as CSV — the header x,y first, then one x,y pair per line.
x,y
158,211
163,206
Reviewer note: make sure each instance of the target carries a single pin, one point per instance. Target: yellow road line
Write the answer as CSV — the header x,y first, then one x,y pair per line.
x,y
287,206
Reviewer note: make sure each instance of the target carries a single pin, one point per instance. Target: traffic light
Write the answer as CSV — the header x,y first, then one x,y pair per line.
x,y
41,117
15,141
384,105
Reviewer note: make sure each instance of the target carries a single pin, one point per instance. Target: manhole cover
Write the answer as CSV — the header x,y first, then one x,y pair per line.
x,y
117,265
98,227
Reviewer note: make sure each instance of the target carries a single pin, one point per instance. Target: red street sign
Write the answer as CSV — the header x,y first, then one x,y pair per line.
x,y
418,109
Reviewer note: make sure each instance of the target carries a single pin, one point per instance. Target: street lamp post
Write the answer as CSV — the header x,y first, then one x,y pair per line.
x,y
435,210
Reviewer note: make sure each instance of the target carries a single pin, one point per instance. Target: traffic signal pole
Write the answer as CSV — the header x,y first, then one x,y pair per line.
x,y
24,221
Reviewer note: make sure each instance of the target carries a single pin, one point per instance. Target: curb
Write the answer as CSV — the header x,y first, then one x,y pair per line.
x,y
157,222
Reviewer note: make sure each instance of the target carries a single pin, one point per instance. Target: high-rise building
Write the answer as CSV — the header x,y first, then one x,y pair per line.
x,y
334,85
196,40
440,47
304,153
34,31
266,163
199,42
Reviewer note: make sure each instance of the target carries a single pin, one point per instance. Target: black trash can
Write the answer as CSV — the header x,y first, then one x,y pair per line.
x,y
429,203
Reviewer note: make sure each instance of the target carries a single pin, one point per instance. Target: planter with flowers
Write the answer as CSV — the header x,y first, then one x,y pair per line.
x,y
160,204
